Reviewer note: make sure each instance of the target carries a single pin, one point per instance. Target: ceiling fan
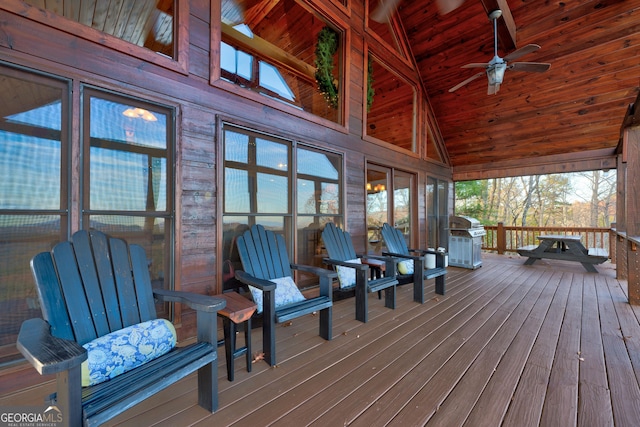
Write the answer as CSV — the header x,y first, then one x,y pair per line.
x,y
496,68
385,8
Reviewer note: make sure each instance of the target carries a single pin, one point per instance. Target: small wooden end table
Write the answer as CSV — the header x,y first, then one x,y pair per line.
x,y
237,311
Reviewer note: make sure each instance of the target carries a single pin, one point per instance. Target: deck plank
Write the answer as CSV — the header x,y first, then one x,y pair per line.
x,y
377,378
528,400
359,359
502,347
479,381
561,401
412,383
594,405
625,393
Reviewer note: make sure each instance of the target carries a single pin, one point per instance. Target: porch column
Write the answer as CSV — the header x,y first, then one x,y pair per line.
x,y
628,205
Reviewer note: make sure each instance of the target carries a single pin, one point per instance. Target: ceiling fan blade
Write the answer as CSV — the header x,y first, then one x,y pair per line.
x,y
383,10
476,65
446,6
521,52
532,67
469,80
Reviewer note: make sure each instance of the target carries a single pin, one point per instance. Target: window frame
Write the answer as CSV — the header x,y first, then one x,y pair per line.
x,y
168,215
416,115
180,62
337,23
292,216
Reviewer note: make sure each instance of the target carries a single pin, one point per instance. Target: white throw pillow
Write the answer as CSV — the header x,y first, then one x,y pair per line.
x,y
287,292
405,267
347,275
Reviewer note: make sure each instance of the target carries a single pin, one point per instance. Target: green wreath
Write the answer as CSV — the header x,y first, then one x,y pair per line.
x,y
370,90
326,48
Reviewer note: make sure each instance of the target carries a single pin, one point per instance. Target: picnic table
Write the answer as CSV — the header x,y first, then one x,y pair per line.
x,y
567,248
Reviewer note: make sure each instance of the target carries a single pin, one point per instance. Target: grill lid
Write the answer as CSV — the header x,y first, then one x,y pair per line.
x,y
463,222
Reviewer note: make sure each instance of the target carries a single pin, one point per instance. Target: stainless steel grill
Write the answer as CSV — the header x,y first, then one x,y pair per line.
x,y
465,242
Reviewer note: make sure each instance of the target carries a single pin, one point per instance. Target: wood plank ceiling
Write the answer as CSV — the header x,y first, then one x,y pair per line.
x,y
536,122
568,118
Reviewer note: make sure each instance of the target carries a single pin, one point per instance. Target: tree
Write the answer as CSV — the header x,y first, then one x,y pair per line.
x,y
584,199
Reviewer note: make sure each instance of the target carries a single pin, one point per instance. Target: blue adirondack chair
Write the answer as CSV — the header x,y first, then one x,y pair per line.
x,y
91,289
265,261
397,247
343,257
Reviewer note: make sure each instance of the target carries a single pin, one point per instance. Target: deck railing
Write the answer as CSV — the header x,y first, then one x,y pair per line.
x,y
501,238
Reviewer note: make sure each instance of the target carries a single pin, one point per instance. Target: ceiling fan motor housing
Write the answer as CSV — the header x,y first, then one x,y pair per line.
x,y
495,73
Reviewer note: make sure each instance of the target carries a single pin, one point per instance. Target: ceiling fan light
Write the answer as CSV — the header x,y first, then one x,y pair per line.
x,y
495,74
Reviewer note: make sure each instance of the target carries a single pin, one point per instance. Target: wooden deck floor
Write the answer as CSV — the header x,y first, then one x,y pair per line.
x,y
513,345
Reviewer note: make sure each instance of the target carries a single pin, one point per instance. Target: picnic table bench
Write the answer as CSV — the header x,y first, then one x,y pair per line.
x,y
566,248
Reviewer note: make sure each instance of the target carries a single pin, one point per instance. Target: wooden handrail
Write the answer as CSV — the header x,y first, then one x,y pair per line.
x,y
502,238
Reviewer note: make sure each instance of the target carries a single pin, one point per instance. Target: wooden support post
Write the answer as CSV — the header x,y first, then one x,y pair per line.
x,y
628,201
612,243
501,236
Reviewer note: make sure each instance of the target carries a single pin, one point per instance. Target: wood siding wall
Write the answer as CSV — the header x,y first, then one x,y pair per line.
x,y
201,106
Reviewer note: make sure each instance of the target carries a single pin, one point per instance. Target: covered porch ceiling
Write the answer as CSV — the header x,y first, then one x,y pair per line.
x,y
568,118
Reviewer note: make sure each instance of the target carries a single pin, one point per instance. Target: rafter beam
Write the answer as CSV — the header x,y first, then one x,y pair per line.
x,y
264,49
506,24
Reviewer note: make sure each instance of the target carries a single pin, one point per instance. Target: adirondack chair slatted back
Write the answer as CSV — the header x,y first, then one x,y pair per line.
x,y
263,253
338,243
109,289
340,250
396,244
394,240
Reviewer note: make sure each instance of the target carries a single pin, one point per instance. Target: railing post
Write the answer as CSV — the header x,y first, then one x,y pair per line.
x,y
612,243
501,236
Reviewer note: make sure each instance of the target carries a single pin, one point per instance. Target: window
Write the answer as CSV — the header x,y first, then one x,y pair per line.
x,y
34,210
437,212
391,116
383,25
157,29
124,186
393,207
259,175
275,53
318,200
128,175
432,150
145,23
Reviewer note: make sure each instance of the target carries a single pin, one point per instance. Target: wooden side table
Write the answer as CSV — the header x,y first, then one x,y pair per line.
x,y
377,267
237,311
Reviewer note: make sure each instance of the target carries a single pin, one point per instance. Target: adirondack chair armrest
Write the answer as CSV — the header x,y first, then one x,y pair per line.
x,y
326,277
318,271
405,256
262,284
440,256
46,353
345,264
390,262
197,302
424,251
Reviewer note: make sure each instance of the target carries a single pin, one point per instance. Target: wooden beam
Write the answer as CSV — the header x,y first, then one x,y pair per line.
x,y
263,48
506,24
562,163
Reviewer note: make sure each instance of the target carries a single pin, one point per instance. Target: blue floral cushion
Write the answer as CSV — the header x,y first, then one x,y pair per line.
x,y
120,351
287,292
347,275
